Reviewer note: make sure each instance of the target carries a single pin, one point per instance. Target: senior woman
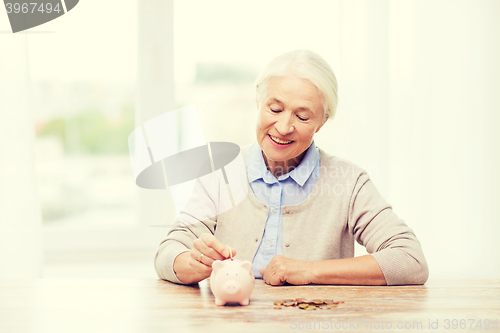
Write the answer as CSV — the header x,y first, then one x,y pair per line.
x,y
306,207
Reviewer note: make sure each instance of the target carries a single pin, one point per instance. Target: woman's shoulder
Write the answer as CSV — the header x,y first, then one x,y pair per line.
x,y
244,149
337,167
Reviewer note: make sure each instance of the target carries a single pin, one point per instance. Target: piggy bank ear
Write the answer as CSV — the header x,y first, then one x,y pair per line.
x,y
246,265
216,265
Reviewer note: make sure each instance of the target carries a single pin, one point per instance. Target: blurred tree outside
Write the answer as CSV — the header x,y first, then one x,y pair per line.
x,y
83,168
92,132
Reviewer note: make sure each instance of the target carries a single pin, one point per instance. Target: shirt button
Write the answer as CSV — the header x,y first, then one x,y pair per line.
x,y
274,211
270,243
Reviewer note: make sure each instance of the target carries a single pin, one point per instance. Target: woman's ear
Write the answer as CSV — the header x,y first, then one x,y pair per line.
x,y
324,122
257,96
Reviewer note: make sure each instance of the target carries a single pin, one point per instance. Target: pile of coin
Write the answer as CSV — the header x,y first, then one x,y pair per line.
x,y
308,304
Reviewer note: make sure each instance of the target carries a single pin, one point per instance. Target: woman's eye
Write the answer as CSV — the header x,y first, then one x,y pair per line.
x,y
303,119
275,111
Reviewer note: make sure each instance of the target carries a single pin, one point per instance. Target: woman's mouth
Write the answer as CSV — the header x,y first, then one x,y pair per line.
x,y
279,141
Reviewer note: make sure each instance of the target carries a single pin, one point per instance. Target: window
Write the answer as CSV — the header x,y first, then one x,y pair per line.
x,y
84,93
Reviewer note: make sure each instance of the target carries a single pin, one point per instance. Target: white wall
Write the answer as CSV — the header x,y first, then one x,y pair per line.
x,y
20,216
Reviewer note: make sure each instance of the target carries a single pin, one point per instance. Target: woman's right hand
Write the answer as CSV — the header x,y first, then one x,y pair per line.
x,y
206,249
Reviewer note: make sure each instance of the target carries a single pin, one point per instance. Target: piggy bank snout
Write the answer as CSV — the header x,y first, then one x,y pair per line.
x,y
231,287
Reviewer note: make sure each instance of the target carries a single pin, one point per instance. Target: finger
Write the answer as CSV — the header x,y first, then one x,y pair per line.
x,y
200,268
268,278
265,272
275,280
215,244
196,256
209,252
231,252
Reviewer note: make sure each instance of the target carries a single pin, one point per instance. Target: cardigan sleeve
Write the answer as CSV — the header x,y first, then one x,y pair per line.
x,y
196,218
386,237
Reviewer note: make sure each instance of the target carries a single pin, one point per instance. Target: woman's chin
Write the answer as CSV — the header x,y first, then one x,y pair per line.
x,y
274,155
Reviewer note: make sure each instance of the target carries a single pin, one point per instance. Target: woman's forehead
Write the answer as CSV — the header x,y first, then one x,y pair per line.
x,y
293,85
290,89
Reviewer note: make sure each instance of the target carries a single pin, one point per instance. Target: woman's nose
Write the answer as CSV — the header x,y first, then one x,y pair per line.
x,y
284,125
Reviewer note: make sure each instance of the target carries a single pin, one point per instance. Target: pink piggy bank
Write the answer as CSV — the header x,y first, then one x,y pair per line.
x,y
232,281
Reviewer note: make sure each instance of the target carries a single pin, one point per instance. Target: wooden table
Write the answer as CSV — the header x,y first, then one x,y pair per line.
x,y
159,306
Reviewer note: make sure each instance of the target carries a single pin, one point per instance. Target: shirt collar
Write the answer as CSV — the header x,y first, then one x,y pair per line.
x,y
256,167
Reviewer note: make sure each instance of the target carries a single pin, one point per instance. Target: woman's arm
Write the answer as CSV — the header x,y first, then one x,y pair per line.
x,y
363,270
199,217
385,236
396,257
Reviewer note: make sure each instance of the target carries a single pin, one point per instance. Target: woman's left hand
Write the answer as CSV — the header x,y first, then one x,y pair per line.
x,y
283,270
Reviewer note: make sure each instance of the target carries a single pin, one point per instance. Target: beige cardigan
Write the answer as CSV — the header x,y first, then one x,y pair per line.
x,y
344,206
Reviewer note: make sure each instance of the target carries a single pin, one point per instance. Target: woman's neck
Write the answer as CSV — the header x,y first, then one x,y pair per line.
x,y
279,168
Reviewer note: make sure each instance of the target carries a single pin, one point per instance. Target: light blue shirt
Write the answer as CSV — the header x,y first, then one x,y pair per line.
x,y
289,189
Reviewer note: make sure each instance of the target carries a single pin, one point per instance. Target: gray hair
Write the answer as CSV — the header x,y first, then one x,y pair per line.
x,y
306,65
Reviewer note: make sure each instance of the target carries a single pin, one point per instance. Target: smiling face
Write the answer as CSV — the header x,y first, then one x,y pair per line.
x,y
291,110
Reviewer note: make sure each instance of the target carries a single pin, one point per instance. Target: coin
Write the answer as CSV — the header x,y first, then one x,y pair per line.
x,y
308,304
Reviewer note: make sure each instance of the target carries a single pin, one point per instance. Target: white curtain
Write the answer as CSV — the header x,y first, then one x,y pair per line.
x,y
20,217
419,107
